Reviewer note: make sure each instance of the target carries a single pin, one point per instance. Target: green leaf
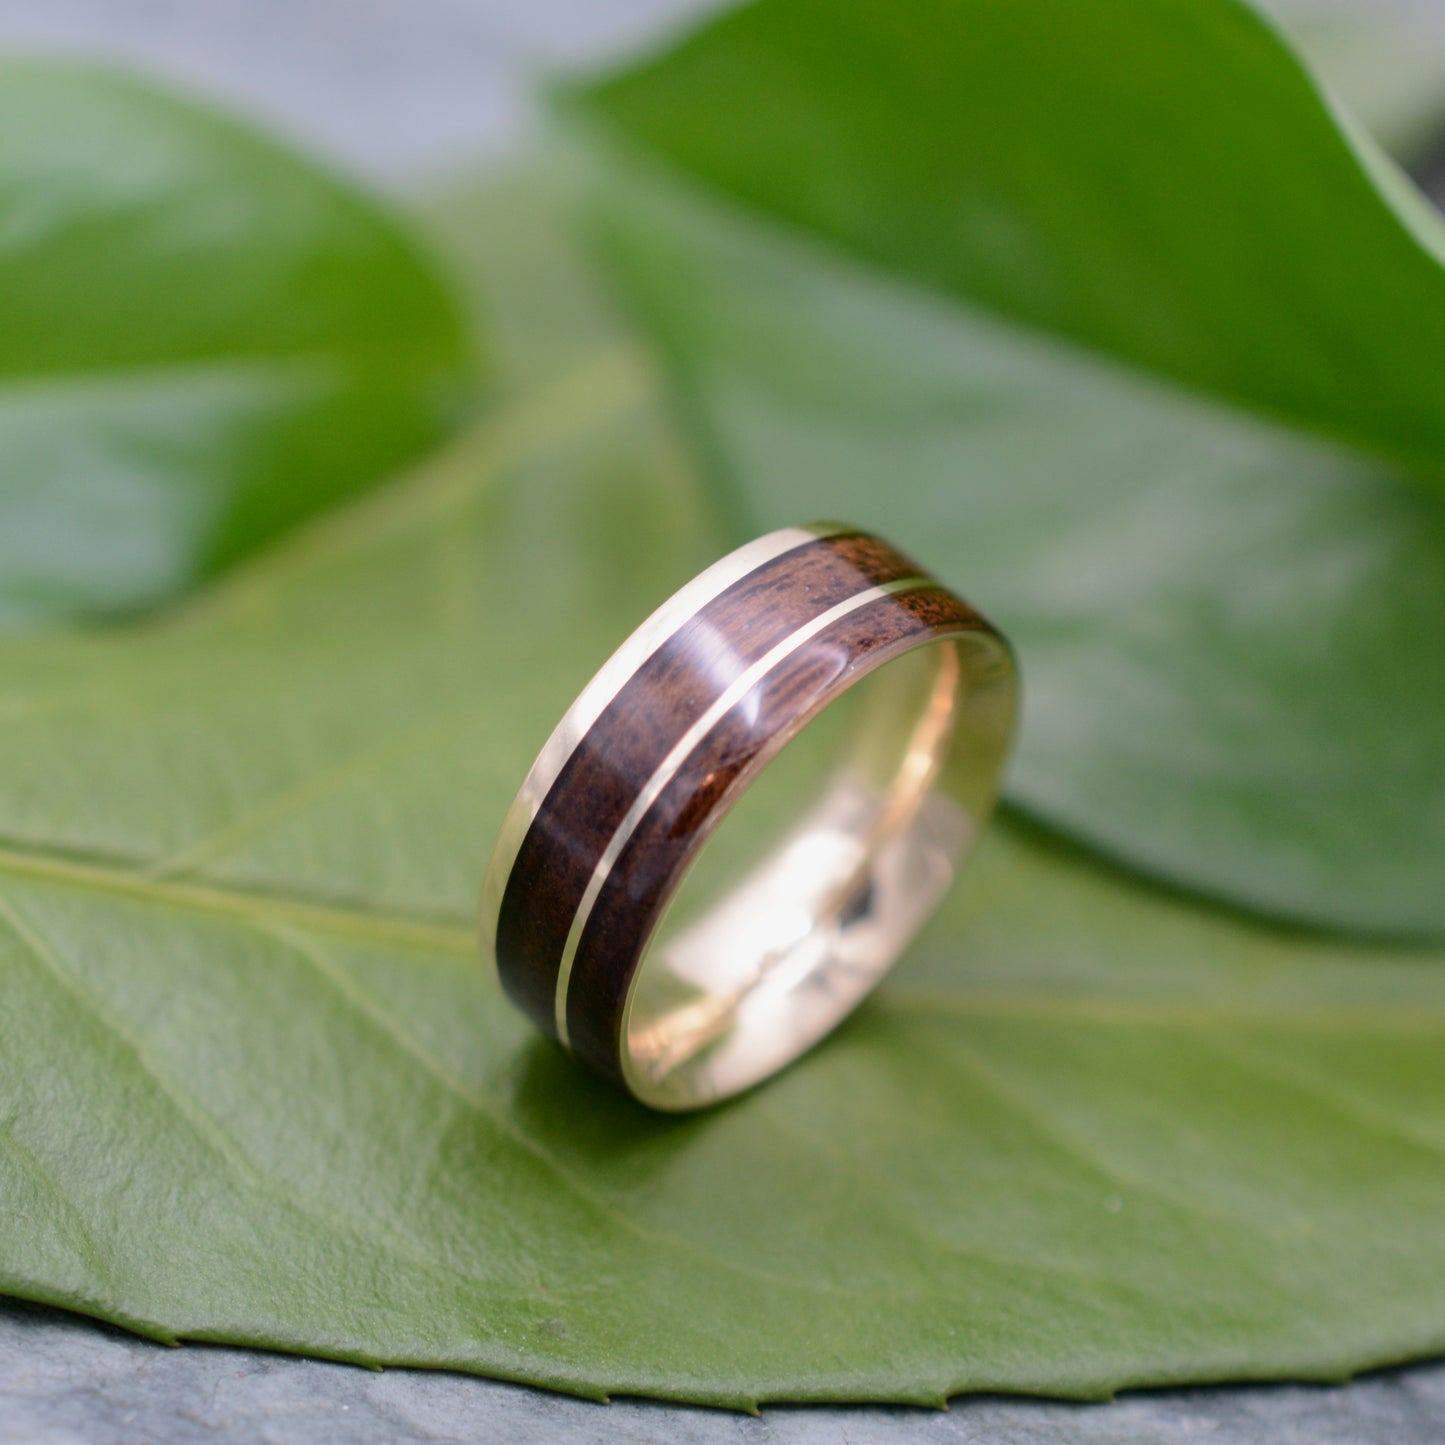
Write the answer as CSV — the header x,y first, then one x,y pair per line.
x,y
255,1086
1099,311
203,340
1157,181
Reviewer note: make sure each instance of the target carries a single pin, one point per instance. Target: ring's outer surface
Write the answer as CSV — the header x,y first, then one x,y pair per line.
x,y
657,749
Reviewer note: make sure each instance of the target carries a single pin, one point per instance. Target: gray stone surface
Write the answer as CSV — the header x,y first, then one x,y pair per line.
x,y
64,1381
395,88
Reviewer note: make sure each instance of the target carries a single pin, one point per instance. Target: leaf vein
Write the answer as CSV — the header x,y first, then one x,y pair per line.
x,y
204,1127
1047,1128
88,1247
1340,1100
482,1107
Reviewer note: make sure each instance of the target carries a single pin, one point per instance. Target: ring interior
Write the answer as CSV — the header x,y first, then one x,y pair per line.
x,y
742,976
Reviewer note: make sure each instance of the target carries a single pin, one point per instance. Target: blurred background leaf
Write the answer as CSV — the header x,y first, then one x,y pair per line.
x,y
203,340
1106,315
1089,1136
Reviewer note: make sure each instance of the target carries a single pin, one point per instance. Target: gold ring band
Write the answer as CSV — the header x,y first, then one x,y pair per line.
x,y
660,746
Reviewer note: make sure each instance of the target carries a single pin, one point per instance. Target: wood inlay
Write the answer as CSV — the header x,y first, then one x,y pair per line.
x,y
720,768
635,732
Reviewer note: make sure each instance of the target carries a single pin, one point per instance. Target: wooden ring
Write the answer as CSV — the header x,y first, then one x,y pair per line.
x,y
660,746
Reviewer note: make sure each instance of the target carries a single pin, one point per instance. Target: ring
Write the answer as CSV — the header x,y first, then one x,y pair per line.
x,y
685,989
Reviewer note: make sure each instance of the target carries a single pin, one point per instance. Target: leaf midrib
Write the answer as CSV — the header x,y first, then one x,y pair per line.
x,y
192,370
456,938
448,936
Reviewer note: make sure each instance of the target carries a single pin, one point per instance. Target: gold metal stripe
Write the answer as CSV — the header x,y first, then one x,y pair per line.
x,y
611,678
682,749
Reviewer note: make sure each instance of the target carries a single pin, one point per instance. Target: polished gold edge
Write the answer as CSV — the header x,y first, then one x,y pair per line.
x,y
609,680
683,748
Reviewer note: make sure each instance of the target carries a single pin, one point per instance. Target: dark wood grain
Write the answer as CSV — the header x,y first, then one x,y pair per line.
x,y
722,766
667,694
